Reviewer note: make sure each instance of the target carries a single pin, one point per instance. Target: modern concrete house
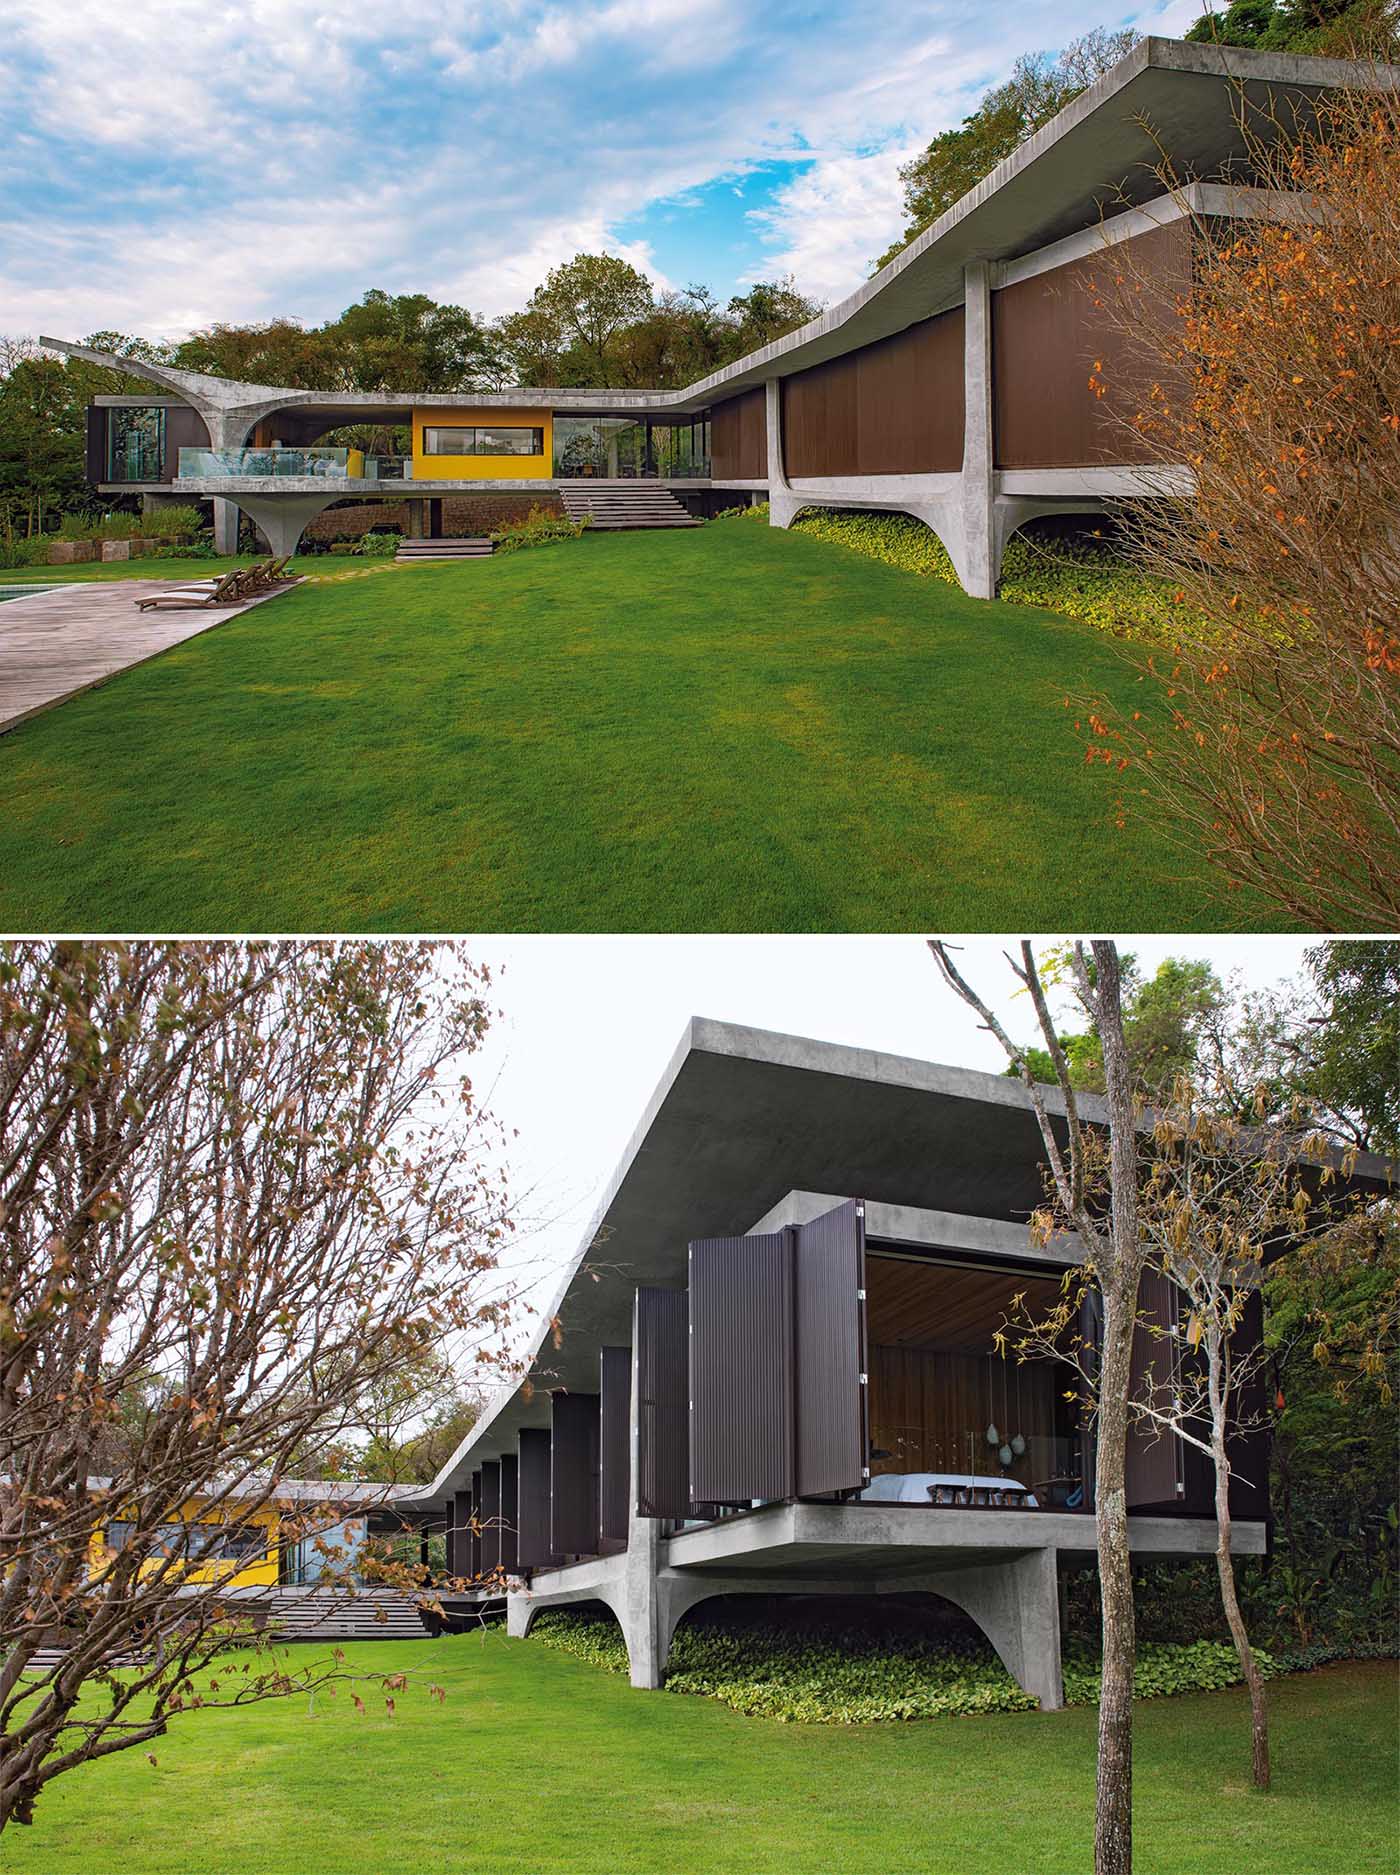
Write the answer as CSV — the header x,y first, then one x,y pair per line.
x,y
774,1371
953,386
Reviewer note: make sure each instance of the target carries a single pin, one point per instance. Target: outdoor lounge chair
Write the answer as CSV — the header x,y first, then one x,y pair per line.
x,y
226,591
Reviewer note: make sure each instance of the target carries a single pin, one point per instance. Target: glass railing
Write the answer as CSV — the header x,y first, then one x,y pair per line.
x,y
331,464
389,468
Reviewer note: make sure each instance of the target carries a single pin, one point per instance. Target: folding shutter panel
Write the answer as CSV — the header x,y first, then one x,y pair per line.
x,y
489,1516
475,1538
660,1336
510,1512
533,1547
829,1277
1247,1448
741,1396
573,1488
614,1446
1152,1473
461,1534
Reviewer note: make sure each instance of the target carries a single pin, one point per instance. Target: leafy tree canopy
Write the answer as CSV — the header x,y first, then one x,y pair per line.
x,y
1165,1019
1040,84
1335,28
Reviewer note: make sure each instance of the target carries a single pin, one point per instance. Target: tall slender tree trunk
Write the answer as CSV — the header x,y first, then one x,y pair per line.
x,y
1113,1819
1225,1568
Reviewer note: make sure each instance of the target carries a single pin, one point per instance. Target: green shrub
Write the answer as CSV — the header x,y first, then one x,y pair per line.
x,y
538,529
25,549
100,527
878,1665
177,522
179,550
375,546
1081,576
759,513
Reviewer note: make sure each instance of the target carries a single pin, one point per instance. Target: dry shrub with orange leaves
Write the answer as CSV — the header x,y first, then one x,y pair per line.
x,y
1282,758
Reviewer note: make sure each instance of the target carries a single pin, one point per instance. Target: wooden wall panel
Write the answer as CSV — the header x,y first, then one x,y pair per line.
x,y
892,408
661,1330
741,1387
929,1410
1047,334
739,438
184,429
489,1514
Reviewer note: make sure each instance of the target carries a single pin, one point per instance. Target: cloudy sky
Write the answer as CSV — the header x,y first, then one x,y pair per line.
x,y
589,1024
167,163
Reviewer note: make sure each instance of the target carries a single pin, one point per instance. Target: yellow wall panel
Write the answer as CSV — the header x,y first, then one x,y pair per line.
x,y
428,468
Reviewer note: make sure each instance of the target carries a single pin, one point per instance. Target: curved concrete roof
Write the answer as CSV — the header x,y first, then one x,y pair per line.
x,y
741,1118
1098,154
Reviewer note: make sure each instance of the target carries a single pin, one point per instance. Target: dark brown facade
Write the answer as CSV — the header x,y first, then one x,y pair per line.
x,y
661,1327
614,1447
534,1549
739,438
1049,333
893,408
573,1490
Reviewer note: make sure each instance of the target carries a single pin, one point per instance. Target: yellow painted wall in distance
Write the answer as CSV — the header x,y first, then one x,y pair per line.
x,y
251,1571
428,468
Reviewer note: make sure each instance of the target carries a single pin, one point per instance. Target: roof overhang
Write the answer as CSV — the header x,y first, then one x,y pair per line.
x,y
744,1119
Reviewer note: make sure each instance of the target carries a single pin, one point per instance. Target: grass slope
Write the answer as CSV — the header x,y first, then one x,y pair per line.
x,y
730,729
540,1763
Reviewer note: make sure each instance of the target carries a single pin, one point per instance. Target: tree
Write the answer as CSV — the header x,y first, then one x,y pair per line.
x,y
1166,1018
767,312
243,1188
1332,28
581,309
1275,749
1040,85
1114,1256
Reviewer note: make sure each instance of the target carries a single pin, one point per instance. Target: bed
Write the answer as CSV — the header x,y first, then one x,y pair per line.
x,y
967,1489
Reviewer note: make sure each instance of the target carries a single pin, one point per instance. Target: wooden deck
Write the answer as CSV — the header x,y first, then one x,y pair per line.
x,y
58,643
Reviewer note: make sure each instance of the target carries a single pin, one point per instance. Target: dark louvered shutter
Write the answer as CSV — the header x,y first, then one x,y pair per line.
x,y
741,1378
829,1356
1152,1473
659,1331
573,1489
1091,1353
614,1446
474,1540
489,1516
1247,1446
533,1547
510,1512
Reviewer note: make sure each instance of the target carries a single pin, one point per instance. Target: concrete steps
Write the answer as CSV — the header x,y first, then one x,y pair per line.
x,y
373,1615
630,504
463,547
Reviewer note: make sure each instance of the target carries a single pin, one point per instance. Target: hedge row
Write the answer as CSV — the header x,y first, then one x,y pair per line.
x,y
881,1671
1081,576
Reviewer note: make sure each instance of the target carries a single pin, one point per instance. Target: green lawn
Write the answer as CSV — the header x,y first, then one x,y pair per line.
x,y
540,1765
727,729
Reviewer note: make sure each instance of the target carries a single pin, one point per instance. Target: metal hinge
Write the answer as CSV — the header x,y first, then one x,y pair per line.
x,y
865,1380
865,1471
860,1295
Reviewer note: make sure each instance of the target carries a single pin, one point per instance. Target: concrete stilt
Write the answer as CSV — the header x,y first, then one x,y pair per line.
x,y
282,518
1017,1606
976,556
225,525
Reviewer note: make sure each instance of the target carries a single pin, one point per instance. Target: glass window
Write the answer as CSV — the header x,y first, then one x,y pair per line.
x,y
135,444
507,440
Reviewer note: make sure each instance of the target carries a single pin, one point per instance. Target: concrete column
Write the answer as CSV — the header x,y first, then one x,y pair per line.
x,y
977,560
1017,1606
283,517
413,511
225,525
648,1638
517,1614
783,504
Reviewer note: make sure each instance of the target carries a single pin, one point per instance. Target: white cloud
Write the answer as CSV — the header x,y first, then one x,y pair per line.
x,y
171,162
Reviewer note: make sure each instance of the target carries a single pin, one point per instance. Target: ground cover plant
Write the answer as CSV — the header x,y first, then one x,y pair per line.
x,y
721,728
537,1760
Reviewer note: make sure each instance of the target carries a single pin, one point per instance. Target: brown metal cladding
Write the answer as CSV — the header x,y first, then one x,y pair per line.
x,y
741,1393
489,1515
829,1417
614,1446
892,408
739,438
474,1536
573,1478
510,1511
1047,336
533,1547
660,1333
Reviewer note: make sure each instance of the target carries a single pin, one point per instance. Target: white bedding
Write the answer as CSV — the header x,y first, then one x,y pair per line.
x,y
912,1487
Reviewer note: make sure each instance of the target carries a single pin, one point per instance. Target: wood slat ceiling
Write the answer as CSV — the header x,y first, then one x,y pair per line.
x,y
913,1304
